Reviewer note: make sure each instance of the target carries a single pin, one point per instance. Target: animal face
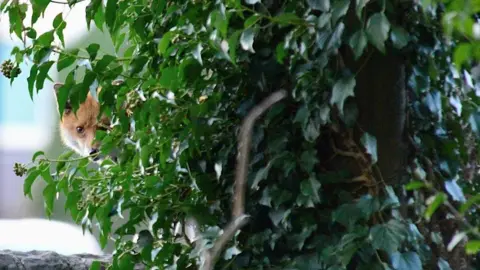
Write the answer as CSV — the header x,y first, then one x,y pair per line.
x,y
78,129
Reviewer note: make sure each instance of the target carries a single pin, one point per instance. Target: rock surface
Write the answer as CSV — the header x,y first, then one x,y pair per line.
x,y
48,260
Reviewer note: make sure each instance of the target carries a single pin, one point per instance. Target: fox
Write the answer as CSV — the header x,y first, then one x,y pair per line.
x,y
77,130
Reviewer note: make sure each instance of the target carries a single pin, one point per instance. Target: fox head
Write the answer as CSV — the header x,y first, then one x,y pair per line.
x,y
77,130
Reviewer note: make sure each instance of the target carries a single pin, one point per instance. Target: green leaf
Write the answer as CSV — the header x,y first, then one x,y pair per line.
x,y
434,203
110,14
378,28
370,144
49,193
414,185
29,180
59,24
31,80
164,43
399,37
96,265
310,188
169,78
462,54
251,21
66,60
342,89
261,174
322,5
197,53
471,201
45,40
360,4
472,247
37,154
233,44
406,261
339,9
99,18
38,8
92,50
368,205
103,63
389,236
287,18
246,40
350,244
16,16
358,42
42,74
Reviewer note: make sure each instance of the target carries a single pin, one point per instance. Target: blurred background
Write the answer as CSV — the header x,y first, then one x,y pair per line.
x,y
28,126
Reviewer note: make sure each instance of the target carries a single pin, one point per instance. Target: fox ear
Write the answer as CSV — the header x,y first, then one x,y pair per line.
x,y
68,106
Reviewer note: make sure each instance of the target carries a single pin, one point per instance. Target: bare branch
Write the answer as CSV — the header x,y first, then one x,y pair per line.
x,y
239,218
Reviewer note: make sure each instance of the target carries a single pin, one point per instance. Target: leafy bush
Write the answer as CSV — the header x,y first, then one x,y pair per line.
x,y
362,166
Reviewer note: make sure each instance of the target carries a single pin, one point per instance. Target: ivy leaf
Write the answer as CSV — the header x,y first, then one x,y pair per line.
x,y
472,247
339,10
164,43
406,261
197,53
342,89
378,28
399,37
246,40
169,78
370,144
310,188
443,265
389,236
455,190
360,4
358,42
350,244
322,5
462,54
433,203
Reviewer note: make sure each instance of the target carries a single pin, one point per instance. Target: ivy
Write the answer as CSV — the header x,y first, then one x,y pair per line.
x,y
326,186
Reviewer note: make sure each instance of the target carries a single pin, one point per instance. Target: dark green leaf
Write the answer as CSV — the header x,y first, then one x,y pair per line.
x,y
360,4
378,28
370,144
92,50
96,265
406,261
322,5
110,14
358,42
389,236
399,37
246,40
310,188
342,89
339,9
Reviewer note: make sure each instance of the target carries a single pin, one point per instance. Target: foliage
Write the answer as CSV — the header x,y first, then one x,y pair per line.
x,y
192,71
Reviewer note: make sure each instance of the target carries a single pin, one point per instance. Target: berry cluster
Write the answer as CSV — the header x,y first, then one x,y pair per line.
x,y
9,70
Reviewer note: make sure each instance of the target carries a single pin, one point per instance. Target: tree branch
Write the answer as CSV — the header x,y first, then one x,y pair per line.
x,y
239,218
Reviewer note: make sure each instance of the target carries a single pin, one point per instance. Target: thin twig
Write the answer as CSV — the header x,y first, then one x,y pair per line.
x,y
239,218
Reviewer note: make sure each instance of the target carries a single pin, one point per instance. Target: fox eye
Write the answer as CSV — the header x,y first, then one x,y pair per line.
x,y
80,129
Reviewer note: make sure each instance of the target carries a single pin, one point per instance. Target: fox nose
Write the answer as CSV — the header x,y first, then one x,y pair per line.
x,y
94,151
